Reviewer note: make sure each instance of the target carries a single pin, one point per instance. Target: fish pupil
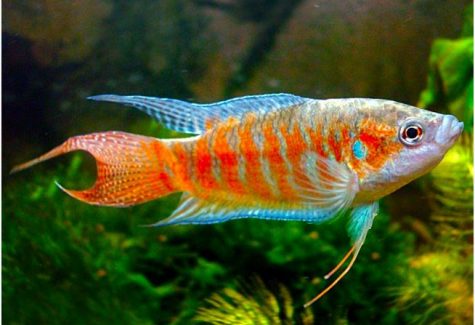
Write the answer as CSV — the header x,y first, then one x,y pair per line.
x,y
412,133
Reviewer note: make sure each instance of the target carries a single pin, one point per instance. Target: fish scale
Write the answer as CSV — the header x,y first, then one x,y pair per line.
x,y
250,151
271,152
274,152
228,159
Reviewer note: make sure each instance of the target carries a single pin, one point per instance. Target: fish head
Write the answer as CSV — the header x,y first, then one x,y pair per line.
x,y
412,141
425,137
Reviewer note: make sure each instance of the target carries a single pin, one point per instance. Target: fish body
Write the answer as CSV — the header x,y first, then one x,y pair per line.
x,y
276,156
268,159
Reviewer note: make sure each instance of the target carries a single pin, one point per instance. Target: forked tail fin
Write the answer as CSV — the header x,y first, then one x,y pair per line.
x,y
131,169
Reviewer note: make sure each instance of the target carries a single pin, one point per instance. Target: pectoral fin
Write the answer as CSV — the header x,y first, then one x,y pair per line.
x,y
325,183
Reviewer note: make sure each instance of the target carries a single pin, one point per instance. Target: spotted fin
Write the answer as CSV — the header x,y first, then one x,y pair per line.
x,y
131,169
197,118
192,210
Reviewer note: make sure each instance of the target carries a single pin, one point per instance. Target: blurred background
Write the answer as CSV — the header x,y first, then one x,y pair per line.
x,y
66,262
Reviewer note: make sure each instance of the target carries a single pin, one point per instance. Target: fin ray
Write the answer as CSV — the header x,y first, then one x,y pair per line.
x,y
192,210
361,220
131,169
195,118
325,183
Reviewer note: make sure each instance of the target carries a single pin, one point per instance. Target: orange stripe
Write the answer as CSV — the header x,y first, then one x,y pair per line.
x,y
334,145
164,158
182,165
295,144
277,164
381,143
317,140
254,178
228,159
165,180
345,141
296,147
203,163
209,123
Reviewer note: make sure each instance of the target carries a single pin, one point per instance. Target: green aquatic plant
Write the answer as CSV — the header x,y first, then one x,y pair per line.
x,y
252,304
452,196
439,287
438,290
58,267
451,266
450,80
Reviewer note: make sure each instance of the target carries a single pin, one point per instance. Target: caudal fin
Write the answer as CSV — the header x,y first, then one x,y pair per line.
x,y
131,169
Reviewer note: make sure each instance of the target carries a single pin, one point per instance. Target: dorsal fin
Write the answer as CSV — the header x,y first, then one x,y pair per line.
x,y
194,118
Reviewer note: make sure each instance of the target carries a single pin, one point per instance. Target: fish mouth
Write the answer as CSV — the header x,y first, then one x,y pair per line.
x,y
449,130
455,130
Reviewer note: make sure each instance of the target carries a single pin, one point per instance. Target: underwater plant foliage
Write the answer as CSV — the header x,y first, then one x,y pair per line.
x,y
440,282
450,80
258,306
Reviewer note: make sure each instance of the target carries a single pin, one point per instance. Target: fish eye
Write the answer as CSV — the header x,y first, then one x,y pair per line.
x,y
411,133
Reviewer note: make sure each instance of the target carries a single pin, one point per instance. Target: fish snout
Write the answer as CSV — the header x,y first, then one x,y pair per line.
x,y
449,130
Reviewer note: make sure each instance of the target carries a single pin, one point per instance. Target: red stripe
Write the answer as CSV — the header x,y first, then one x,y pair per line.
x,y
228,159
204,175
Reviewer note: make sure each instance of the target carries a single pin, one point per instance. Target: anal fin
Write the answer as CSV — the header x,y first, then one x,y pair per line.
x,y
193,210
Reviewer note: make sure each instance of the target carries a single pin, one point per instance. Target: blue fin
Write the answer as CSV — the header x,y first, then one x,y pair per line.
x,y
195,211
193,118
361,220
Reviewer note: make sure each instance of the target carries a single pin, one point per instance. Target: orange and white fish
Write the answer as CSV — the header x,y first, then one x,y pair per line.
x,y
276,156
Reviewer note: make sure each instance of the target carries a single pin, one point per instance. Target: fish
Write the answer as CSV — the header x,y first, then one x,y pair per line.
x,y
273,156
